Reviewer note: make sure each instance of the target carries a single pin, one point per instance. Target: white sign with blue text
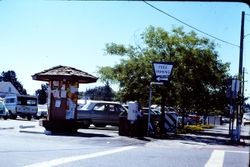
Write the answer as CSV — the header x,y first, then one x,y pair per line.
x,y
162,71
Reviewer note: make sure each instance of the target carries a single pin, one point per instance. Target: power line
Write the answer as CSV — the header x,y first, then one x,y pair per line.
x,y
190,25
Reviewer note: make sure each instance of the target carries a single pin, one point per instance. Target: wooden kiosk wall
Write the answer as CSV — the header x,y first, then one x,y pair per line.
x,y
62,100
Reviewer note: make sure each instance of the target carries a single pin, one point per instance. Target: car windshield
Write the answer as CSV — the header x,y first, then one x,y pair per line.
x,y
86,106
152,111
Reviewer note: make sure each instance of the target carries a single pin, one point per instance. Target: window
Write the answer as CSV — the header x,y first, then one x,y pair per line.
x,y
99,107
30,101
120,108
10,100
112,108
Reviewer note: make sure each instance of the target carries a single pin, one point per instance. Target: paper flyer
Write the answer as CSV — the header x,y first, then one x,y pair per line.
x,y
58,104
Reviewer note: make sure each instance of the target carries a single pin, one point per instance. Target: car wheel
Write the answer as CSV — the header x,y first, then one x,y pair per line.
x,y
86,124
5,117
12,116
29,117
100,125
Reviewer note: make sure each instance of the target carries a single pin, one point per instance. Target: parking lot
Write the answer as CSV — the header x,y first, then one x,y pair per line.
x,y
25,143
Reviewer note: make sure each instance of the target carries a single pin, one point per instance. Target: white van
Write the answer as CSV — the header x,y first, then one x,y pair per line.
x,y
21,105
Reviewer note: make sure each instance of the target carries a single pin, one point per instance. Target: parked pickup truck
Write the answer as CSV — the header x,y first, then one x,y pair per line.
x,y
99,113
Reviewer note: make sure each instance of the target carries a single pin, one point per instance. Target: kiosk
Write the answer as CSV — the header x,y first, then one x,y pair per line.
x,y
62,97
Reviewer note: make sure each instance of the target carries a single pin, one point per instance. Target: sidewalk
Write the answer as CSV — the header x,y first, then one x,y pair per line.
x,y
218,135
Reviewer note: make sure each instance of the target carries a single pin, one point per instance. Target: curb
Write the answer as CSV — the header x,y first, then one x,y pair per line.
x,y
25,127
32,132
7,128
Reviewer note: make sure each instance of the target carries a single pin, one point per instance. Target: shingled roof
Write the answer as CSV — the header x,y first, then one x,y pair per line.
x,y
64,72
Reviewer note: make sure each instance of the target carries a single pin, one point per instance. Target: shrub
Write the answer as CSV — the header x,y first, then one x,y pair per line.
x,y
193,128
207,126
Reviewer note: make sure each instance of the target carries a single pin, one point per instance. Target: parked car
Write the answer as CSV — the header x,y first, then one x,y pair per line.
x,y
194,119
179,119
125,105
246,118
225,120
144,111
100,113
4,113
141,123
190,119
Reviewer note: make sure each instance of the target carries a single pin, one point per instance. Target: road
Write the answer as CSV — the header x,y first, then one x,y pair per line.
x,y
24,143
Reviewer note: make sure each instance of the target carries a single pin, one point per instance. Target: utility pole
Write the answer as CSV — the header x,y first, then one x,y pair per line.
x,y
239,108
243,85
241,44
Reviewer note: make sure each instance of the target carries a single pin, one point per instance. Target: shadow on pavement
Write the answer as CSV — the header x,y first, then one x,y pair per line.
x,y
76,134
209,138
109,128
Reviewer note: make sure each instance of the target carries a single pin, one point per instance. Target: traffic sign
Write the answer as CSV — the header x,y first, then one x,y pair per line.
x,y
162,71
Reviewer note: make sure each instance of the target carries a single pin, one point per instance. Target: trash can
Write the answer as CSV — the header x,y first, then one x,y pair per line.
x,y
123,126
141,127
136,128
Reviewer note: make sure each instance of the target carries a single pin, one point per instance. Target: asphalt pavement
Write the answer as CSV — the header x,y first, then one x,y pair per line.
x,y
217,135
29,144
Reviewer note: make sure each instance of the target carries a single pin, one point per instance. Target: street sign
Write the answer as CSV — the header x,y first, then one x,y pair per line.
x,y
162,71
235,88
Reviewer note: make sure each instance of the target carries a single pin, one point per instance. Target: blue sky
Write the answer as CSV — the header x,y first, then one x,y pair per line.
x,y
40,34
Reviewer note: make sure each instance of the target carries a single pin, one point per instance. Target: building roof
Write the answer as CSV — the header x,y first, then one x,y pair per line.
x,y
8,87
64,72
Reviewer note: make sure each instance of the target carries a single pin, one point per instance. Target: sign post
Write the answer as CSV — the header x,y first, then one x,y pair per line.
x,y
149,104
162,72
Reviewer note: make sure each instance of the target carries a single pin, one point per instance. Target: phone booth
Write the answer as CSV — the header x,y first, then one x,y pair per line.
x,y
62,96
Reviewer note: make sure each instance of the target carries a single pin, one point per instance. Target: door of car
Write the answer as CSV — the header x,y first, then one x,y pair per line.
x,y
114,112
100,113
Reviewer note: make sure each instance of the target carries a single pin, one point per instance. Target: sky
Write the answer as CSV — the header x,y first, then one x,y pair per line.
x,y
39,34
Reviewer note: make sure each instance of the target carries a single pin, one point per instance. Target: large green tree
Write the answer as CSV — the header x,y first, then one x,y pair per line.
x,y
199,78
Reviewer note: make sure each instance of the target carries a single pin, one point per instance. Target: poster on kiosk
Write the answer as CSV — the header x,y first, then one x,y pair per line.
x,y
63,99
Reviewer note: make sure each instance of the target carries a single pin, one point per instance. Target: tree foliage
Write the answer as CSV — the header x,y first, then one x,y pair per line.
x,y
10,76
42,94
199,78
100,93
